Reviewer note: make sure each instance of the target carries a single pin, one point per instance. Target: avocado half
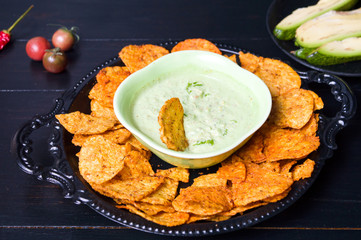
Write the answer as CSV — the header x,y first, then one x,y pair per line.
x,y
331,26
285,30
337,52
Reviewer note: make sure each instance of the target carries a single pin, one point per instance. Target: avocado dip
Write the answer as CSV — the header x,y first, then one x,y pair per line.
x,y
217,108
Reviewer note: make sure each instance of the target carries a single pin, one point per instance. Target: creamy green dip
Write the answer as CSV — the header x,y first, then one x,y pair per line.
x,y
217,108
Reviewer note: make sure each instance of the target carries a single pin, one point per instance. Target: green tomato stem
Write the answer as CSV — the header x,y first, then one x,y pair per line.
x,y
19,19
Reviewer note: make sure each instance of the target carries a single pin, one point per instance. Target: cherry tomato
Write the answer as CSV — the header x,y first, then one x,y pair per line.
x,y
54,60
64,38
35,48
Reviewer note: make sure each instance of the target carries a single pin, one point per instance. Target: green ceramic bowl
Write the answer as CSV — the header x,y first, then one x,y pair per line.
x,y
170,63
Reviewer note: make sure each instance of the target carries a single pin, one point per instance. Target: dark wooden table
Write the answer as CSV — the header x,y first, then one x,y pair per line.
x,y
33,209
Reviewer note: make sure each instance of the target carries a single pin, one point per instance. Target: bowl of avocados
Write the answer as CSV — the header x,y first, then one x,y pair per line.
x,y
302,30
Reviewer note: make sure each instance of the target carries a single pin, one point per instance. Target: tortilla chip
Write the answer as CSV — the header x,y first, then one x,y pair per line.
x,y
165,194
100,111
277,197
252,151
292,109
109,79
81,123
232,171
286,167
214,218
249,61
196,44
177,173
118,136
209,180
278,76
114,75
233,58
139,146
312,126
303,170
171,129
242,209
203,200
289,144
169,219
100,160
260,184
152,209
136,57
135,166
317,100
133,189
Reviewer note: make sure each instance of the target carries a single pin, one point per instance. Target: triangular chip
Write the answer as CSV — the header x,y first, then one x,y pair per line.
x,y
171,129
136,57
100,160
292,109
259,184
196,44
81,123
203,200
169,219
303,170
133,189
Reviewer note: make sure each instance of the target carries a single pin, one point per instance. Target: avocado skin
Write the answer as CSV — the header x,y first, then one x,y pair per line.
x,y
318,58
303,53
287,34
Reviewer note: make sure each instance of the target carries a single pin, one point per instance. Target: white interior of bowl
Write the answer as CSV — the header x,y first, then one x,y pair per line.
x,y
173,61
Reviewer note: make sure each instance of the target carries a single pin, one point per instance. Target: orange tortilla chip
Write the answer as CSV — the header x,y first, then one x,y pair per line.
x,y
171,129
165,194
169,219
242,209
209,180
81,123
177,173
303,170
196,44
252,151
283,144
203,200
136,57
135,166
114,75
292,109
233,58
118,136
152,209
260,184
318,101
100,160
133,189
100,111
278,76
109,79
312,126
232,171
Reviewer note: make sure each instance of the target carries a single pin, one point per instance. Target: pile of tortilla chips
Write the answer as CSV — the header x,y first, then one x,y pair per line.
x,y
116,165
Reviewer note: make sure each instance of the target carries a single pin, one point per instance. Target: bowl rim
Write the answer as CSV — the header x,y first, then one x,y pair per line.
x,y
180,154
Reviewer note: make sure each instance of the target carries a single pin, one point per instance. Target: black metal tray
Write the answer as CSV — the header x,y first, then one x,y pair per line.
x,y
278,10
63,168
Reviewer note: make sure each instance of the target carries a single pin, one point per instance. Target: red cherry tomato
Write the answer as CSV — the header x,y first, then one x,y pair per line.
x,y
64,38
54,60
35,48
